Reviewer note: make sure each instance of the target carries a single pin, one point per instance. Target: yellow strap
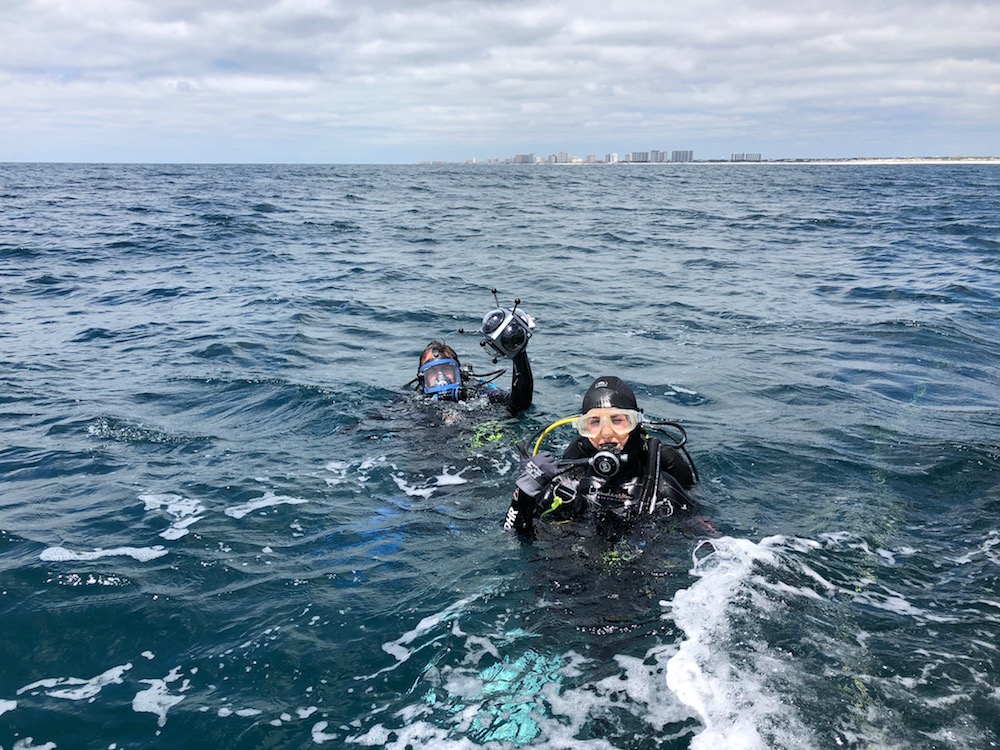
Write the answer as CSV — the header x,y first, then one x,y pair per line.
x,y
556,502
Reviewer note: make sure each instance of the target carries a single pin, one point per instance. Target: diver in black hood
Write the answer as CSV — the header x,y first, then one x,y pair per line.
x,y
615,471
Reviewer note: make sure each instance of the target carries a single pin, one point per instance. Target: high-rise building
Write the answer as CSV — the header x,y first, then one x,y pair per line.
x,y
681,156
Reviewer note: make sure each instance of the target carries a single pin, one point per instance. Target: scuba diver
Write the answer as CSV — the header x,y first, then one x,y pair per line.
x,y
441,376
616,471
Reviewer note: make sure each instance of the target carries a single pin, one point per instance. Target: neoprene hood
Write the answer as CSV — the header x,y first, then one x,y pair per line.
x,y
609,392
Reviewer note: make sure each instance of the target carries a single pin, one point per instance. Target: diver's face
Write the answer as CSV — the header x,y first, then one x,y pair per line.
x,y
608,427
438,373
613,439
441,377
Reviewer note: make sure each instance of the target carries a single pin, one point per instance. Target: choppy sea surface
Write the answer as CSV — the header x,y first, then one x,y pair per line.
x,y
224,524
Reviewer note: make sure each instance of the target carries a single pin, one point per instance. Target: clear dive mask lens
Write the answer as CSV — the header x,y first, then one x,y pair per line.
x,y
440,376
621,421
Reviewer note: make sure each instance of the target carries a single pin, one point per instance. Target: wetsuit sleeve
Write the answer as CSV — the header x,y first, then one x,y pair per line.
x,y
522,384
521,514
672,462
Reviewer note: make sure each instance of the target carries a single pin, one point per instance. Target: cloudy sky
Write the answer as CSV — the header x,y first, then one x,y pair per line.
x,y
399,81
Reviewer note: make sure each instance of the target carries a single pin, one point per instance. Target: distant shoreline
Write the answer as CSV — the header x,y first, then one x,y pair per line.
x,y
851,161
879,160
876,160
794,162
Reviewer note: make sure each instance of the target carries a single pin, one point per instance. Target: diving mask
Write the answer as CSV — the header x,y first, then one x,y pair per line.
x,y
621,421
441,378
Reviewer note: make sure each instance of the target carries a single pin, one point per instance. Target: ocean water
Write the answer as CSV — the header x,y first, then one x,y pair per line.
x,y
224,524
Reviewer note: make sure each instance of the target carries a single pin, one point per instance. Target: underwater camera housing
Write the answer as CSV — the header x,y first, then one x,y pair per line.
x,y
506,331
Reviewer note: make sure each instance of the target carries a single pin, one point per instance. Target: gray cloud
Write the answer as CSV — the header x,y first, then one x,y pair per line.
x,y
319,80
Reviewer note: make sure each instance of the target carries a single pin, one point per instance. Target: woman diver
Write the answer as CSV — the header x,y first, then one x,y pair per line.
x,y
614,472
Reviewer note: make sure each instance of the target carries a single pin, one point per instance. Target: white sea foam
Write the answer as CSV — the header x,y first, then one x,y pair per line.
x,y
444,478
245,713
365,467
687,391
415,734
892,601
990,549
441,480
411,490
731,697
638,686
28,743
268,500
399,648
6,706
142,554
81,689
184,510
339,471
157,698
320,735
521,696
92,579
522,701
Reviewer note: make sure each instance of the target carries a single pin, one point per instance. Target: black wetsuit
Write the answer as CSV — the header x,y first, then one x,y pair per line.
x,y
646,484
